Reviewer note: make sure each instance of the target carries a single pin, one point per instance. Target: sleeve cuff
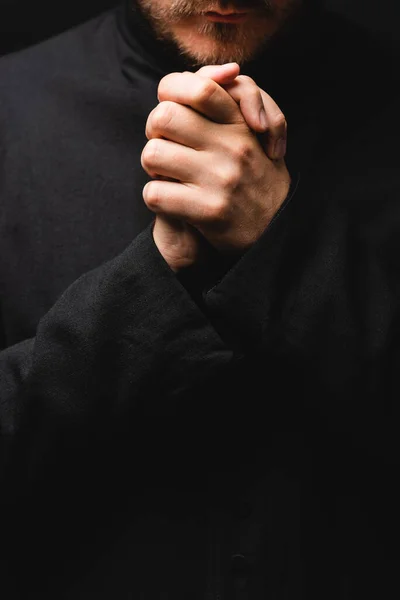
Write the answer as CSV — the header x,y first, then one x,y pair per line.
x,y
240,301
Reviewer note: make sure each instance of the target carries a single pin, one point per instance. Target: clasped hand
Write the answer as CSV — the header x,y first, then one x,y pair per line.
x,y
212,178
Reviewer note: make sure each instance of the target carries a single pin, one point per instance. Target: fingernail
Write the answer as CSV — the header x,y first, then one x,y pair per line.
x,y
263,118
280,148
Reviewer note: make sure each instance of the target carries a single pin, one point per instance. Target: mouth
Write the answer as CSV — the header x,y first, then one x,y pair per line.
x,y
231,17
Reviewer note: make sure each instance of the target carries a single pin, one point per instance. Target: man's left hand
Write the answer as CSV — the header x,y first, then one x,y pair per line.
x,y
220,180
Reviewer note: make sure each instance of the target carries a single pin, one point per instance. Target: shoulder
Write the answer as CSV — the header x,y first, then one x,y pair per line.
x,y
359,83
63,50
359,58
30,76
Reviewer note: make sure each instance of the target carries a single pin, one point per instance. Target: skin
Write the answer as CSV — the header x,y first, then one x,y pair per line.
x,y
183,23
212,179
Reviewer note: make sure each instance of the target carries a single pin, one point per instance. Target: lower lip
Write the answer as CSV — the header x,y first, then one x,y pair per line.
x,y
232,18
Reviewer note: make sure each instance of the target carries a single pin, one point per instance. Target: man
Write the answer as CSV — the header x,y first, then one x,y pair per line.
x,y
200,328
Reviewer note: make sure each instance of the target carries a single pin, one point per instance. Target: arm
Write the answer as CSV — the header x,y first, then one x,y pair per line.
x,y
119,342
83,362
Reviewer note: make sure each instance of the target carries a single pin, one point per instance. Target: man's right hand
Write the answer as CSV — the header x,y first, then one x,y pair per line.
x,y
180,244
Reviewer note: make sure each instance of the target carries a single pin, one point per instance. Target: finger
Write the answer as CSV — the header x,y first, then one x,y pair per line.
x,y
277,127
221,74
168,159
256,106
248,95
202,94
176,200
179,124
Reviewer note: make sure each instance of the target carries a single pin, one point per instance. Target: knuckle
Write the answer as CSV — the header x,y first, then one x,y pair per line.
x,y
217,210
254,92
205,90
149,129
163,116
247,80
230,177
278,121
150,153
249,86
151,195
203,70
165,85
242,151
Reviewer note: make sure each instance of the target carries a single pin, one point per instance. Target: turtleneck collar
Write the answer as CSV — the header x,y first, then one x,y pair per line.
x,y
294,44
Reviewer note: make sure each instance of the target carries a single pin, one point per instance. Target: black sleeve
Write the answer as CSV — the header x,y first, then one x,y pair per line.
x,y
235,293
121,342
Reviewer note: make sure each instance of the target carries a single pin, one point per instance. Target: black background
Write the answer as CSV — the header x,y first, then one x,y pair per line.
x,y
24,22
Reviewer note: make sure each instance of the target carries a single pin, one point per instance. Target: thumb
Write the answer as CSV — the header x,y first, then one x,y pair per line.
x,y
221,74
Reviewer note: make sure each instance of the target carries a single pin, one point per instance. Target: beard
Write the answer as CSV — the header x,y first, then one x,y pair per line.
x,y
225,42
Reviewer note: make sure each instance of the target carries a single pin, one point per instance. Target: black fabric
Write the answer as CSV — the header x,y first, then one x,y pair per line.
x,y
23,24
231,432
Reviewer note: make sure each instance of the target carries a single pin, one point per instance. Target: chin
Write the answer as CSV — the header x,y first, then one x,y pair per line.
x,y
201,49
214,55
